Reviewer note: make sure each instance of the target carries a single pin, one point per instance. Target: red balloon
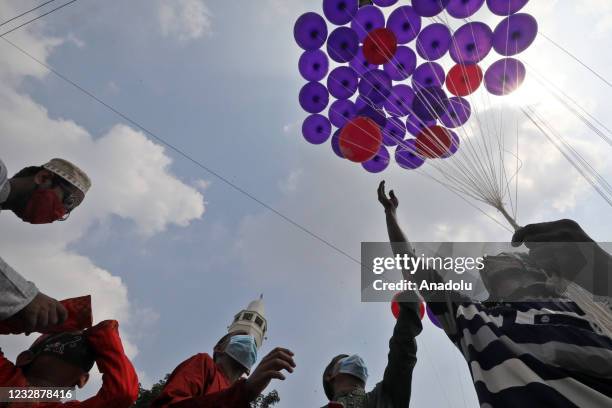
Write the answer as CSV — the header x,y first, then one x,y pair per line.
x,y
379,46
395,308
463,80
360,139
433,142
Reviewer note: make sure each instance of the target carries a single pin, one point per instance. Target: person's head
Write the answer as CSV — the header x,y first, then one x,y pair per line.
x,y
60,360
236,352
506,273
344,373
47,193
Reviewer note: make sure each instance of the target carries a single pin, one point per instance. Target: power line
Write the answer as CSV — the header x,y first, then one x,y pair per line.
x,y
182,153
26,12
37,17
575,58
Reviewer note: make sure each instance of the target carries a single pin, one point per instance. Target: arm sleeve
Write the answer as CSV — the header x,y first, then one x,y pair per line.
x,y
119,380
235,396
10,375
189,383
397,379
15,292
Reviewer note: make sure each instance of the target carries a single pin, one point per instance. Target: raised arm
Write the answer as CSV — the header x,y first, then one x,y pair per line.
x,y
119,380
397,380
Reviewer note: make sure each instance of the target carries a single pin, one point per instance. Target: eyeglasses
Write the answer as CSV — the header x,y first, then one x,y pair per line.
x,y
70,199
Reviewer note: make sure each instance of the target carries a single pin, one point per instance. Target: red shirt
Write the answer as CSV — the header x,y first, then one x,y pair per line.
x,y
119,379
198,382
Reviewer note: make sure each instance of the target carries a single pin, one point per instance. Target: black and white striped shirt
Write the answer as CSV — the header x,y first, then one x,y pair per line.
x,y
542,353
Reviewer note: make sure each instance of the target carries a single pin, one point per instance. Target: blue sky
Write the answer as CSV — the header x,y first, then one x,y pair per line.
x,y
173,252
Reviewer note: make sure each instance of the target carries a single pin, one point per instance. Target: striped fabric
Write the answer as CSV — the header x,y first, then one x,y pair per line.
x,y
531,354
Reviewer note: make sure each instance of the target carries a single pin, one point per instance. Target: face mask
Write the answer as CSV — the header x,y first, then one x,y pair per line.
x,y
44,207
243,349
355,366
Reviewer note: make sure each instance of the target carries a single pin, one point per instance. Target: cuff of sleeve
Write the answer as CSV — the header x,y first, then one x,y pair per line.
x,y
28,293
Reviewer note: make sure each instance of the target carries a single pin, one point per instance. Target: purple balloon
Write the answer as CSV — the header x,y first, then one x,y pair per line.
x,y
433,42
405,155
341,111
360,65
379,162
316,129
515,34
335,143
429,8
506,7
399,102
313,65
376,115
310,31
405,24
463,8
430,103
402,65
314,97
375,85
393,132
454,145
342,44
432,317
362,102
427,75
368,18
457,113
415,125
342,82
504,76
471,43
385,3
340,12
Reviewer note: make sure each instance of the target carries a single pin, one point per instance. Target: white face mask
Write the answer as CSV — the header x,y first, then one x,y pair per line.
x,y
243,349
353,365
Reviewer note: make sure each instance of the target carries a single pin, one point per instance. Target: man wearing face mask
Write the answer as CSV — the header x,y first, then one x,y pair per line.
x,y
37,195
219,381
345,377
529,345
203,381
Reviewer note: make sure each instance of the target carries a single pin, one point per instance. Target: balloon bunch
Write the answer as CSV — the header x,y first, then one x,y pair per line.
x,y
384,89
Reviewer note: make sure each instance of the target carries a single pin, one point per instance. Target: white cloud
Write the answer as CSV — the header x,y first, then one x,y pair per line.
x,y
184,19
131,177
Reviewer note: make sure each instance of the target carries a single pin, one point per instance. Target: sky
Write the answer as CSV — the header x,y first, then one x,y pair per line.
x,y
173,252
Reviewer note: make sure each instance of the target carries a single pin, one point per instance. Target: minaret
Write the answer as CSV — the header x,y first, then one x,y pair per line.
x,y
252,320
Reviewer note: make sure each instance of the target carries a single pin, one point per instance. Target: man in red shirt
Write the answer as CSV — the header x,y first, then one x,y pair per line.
x,y
203,381
64,360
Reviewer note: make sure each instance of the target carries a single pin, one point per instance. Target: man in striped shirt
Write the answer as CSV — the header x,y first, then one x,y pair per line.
x,y
541,349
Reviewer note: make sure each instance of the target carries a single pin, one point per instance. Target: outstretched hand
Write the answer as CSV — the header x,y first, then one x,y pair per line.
x,y
270,367
390,203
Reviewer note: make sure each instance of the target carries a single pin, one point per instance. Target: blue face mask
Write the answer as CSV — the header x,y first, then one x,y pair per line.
x,y
243,349
355,366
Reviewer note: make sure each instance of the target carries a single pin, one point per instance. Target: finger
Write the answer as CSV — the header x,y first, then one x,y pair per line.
x,y
280,364
393,197
52,317
284,350
381,191
31,320
275,374
43,319
62,313
560,236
